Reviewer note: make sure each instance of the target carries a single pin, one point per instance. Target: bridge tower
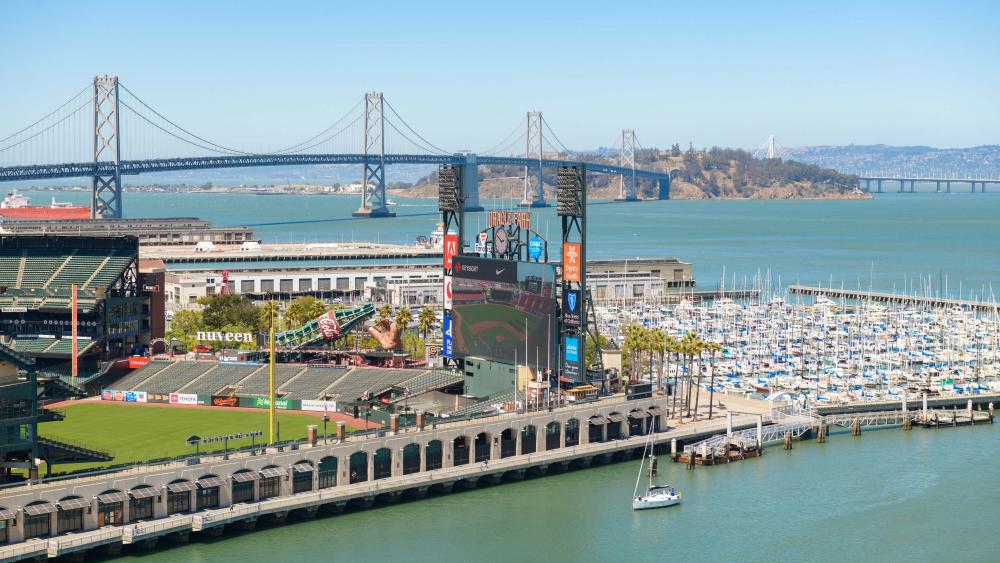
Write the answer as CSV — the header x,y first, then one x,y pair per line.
x,y
533,197
106,188
373,181
626,159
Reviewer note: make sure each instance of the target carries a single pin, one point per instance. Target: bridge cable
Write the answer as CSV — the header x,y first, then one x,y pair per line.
x,y
64,118
418,145
342,129
50,114
298,147
224,148
518,128
419,136
172,134
553,133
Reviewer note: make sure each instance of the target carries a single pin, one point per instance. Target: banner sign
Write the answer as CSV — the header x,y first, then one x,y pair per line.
x,y
572,350
225,401
508,219
208,336
265,403
446,348
329,326
136,362
571,308
535,248
314,405
447,293
450,249
571,262
183,399
124,396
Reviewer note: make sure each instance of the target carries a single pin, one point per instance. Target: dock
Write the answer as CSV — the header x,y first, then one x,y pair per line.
x,y
883,297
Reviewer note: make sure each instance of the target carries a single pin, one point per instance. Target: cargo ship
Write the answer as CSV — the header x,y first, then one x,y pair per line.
x,y
19,206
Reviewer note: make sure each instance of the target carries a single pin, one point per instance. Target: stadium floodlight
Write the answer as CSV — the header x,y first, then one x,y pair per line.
x,y
449,188
571,181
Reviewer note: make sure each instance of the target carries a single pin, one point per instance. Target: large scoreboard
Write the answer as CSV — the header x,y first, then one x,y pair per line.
x,y
503,310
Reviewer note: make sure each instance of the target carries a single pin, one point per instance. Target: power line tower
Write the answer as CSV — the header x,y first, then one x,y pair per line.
x,y
373,181
106,188
627,187
533,197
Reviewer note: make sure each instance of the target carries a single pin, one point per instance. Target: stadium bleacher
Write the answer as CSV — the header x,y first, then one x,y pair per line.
x,y
311,383
212,381
174,377
132,381
367,379
258,384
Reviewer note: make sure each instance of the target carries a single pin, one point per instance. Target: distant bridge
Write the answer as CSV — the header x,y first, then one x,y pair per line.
x,y
106,115
911,181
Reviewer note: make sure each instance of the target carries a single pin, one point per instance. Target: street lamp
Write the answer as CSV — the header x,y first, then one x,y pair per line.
x,y
325,420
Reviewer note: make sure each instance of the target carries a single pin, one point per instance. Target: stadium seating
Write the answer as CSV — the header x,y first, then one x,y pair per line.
x,y
373,380
10,265
429,380
311,383
486,405
132,381
258,384
175,377
212,381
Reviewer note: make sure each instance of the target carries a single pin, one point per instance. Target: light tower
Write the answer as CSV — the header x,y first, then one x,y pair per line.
x,y
106,184
373,181
626,159
533,197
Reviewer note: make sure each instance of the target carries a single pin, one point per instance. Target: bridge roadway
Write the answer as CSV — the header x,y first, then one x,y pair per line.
x,y
912,180
337,495
129,167
797,289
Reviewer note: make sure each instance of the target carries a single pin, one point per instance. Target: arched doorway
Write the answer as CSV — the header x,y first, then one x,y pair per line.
x,y
482,447
636,422
460,450
552,436
572,432
179,496
70,516
328,472
302,476
433,455
270,482
110,507
38,519
595,429
529,440
615,421
508,443
208,492
243,485
359,467
383,463
140,507
411,459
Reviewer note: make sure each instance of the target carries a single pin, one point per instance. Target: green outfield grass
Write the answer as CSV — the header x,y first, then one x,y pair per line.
x,y
136,433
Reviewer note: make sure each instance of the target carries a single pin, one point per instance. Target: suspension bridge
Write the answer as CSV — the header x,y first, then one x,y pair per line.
x,y
105,131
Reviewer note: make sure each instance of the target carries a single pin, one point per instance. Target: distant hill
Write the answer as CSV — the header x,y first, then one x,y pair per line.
x,y
716,173
885,160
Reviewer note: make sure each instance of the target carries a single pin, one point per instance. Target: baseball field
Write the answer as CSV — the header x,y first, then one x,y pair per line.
x,y
135,433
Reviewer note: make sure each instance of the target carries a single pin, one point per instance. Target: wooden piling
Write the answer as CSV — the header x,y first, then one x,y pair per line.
x,y
907,423
821,435
788,440
856,428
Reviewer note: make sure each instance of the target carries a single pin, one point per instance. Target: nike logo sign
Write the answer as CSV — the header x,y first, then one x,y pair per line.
x,y
500,271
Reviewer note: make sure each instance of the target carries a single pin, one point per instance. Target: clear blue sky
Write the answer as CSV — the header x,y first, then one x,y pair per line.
x,y
463,74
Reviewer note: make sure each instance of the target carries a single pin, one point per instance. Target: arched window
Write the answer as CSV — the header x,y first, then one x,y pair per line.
x,y
572,432
529,440
434,455
508,443
460,450
411,459
302,476
359,467
383,463
552,436
482,447
327,472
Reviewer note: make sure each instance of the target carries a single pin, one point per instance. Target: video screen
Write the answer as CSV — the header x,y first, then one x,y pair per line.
x,y
503,310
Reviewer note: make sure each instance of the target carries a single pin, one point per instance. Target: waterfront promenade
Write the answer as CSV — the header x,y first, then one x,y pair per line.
x,y
206,494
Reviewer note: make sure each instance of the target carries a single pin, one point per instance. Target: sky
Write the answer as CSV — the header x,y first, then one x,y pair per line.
x,y
463,74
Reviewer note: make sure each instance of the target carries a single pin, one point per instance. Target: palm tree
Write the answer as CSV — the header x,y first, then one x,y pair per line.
x,y
689,348
385,311
403,318
673,346
700,347
427,320
633,346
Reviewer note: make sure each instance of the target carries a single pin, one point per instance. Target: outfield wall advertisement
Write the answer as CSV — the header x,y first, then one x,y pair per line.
x,y
502,310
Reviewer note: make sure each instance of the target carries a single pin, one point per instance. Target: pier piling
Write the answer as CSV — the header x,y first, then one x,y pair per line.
x,y
856,428
788,440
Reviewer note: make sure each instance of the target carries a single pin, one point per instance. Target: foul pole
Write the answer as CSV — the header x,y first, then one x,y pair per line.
x,y
74,333
271,379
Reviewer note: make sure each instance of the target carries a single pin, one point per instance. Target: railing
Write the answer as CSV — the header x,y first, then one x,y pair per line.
x,y
60,545
131,533
31,547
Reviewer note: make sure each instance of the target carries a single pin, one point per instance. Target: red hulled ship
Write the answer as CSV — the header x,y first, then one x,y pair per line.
x,y
18,206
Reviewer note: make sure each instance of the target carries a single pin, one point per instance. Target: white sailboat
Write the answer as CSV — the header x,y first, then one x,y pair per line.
x,y
656,496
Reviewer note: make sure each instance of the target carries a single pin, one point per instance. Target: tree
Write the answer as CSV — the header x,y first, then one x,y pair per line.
x,y
269,310
385,311
303,310
403,318
427,320
222,310
185,326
